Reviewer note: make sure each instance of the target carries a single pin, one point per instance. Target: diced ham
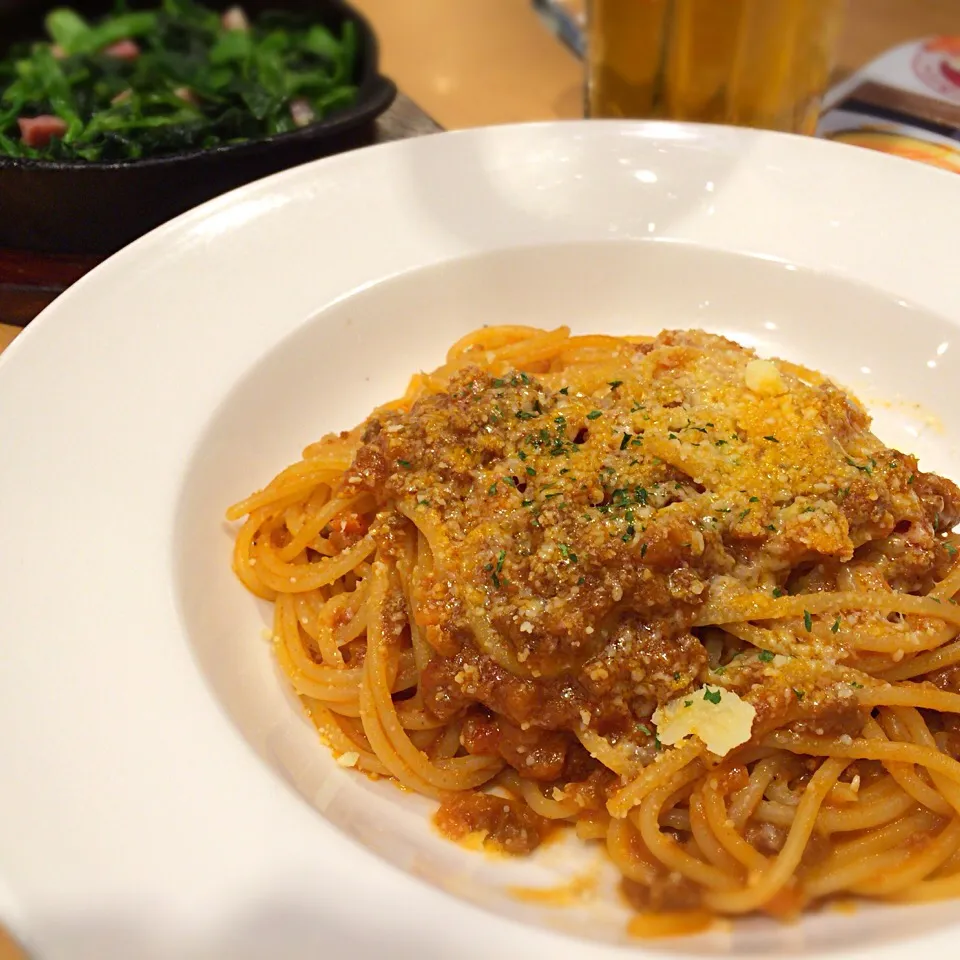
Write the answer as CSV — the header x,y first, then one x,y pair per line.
x,y
186,95
123,50
39,131
301,112
235,19
57,52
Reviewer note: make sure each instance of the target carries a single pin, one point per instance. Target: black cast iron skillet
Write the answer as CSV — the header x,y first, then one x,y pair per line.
x,y
97,208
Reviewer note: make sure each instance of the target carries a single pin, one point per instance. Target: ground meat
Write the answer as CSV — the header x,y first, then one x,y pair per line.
x,y
825,713
533,753
940,498
508,825
369,471
579,765
449,686
672,892
592,792
731,779
646,665
443,697
346,530
912,558
765,838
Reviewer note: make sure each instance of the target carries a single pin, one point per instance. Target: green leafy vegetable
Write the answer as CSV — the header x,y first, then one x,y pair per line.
x,y
189,83
66,27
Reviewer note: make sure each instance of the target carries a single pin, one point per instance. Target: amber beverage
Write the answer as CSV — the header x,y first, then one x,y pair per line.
x,y
754,63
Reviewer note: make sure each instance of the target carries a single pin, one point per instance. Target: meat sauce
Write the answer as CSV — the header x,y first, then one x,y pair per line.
x,y
510,826
576,530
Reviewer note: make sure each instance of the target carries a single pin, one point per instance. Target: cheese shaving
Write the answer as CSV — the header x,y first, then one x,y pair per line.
x,y
717,716
763,377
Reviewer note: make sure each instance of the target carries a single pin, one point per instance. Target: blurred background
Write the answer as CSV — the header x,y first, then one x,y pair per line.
x,y
474,62
466,63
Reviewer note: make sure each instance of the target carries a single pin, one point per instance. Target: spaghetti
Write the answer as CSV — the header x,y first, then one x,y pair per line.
x,y
676,596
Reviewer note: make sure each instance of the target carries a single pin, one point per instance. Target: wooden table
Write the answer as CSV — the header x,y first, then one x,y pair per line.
x,y
7,333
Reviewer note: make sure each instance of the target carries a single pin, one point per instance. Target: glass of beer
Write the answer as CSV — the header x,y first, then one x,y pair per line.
x,y
752,63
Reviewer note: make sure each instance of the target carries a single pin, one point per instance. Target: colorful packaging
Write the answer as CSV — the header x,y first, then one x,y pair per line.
x,y
906,102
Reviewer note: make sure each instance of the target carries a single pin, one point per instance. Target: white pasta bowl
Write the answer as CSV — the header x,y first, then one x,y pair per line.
x,y
163,794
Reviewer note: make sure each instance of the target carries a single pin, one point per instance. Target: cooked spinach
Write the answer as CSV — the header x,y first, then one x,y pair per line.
x,y
148,83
